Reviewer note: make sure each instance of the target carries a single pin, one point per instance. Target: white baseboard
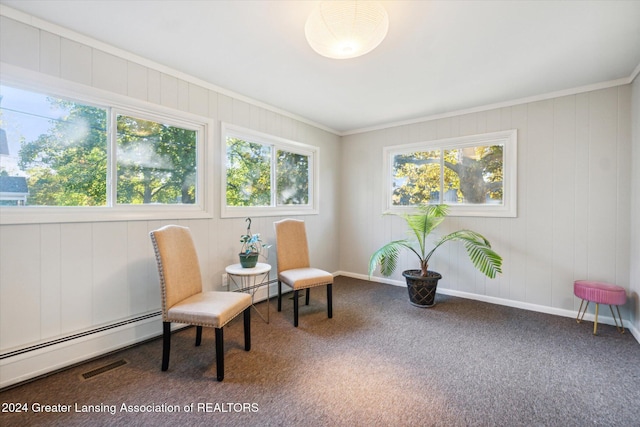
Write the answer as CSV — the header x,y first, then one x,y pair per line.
x,y
50,358
35,363
501,301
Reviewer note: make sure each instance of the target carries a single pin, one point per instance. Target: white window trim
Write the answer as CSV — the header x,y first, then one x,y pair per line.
x,y
203,208
510,173
313,152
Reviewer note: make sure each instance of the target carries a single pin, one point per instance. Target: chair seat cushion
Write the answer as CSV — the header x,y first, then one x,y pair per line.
x,y
211,309
302,278
599,292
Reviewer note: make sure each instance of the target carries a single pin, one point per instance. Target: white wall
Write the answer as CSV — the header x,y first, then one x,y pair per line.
x,y
61,279
574,181
635,209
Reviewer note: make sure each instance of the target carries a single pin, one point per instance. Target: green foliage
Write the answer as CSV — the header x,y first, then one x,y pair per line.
x,y
472,174
421,225
292,177
252,243
67,166
248,173
249,168
156,162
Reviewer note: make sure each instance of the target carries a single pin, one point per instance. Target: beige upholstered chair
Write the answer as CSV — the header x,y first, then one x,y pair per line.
x,y
183,300
293,265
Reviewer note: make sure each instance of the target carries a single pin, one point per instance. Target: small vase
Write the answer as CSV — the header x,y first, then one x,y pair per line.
x,y
248,260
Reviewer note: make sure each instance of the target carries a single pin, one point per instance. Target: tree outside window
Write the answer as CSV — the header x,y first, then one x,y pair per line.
x,y
62,149
264,174
475,173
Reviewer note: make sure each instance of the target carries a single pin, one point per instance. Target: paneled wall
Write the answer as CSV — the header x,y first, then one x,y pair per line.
x,y
635,209
57,280
574,186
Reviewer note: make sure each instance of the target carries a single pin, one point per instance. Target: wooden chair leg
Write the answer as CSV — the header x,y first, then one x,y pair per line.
x,y
279,295
295,308
306,301
247,329
329,301
219,354
166,344
198,335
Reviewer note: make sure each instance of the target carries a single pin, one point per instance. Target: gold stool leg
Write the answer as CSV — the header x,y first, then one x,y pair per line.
x,y
578,318
595,324
621,328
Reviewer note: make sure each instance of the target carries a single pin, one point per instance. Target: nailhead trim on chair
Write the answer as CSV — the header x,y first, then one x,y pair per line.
x,y
161,274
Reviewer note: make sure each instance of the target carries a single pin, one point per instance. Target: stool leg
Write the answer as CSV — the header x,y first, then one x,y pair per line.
x,y
578,320
595,324
621,325
621,328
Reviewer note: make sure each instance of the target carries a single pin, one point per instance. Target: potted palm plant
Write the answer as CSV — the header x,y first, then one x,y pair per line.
x,y
422,283
252,247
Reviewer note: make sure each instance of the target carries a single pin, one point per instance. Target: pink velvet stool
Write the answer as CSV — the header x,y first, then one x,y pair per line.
x,y
600,293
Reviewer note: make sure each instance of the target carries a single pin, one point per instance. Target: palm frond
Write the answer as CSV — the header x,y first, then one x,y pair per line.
x,y
479,250
422,223
387,257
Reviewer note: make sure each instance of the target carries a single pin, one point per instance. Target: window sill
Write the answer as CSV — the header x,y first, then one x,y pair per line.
x,y
46,215
241,212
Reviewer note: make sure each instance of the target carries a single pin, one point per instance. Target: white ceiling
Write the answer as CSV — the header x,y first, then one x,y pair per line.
x,y
439,56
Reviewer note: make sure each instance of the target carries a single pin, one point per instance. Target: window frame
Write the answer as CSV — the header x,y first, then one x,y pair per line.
x,y
116,104
509,139
276,143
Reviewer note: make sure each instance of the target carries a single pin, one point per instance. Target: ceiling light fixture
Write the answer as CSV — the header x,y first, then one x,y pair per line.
x,y
346,29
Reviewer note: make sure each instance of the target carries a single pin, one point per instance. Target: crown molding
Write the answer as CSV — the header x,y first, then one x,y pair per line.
x,y
129,56
503,104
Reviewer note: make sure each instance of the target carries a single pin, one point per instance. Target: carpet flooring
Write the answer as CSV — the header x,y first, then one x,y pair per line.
x,y
379,362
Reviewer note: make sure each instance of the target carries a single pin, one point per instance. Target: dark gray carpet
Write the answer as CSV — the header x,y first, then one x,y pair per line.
x,y
379,361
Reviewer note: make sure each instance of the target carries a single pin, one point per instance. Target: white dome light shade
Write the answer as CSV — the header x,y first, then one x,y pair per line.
x,y
346,29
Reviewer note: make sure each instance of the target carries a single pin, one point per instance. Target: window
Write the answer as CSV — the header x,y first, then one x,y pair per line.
x,y
475,175
90,159
156,163
264,175
58,147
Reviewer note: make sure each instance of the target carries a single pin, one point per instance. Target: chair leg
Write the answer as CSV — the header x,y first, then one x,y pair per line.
x,y
198,335
166,344
219,354
329,301
295,308
595,323
279,295
247,328
308,294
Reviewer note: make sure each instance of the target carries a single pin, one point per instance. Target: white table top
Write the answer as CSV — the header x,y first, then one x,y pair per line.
x,y
238,270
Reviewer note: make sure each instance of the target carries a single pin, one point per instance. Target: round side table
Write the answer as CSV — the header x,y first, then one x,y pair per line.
x,y
250,280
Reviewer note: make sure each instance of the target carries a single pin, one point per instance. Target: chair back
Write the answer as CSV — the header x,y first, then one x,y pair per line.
x,y
291,244
178,265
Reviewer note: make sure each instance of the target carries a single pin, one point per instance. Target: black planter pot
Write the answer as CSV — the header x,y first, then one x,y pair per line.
x,y
422,289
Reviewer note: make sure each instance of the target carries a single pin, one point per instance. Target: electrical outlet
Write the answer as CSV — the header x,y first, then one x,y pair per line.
x,y
225,281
